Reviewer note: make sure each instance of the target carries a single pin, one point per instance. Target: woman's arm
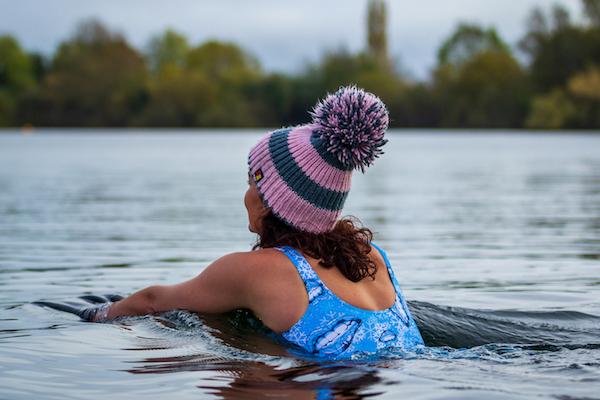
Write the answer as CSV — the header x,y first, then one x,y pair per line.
x,y
141,302
221,287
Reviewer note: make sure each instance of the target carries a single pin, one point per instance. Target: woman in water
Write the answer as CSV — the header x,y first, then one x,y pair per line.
x,y
314,280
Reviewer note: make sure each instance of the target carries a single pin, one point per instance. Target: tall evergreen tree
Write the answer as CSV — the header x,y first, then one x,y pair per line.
x,y
377,31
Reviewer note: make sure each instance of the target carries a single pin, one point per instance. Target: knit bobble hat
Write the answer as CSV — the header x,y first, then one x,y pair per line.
x,y
303,173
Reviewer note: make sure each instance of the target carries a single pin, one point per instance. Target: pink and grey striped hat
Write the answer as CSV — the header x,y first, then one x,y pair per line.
x,y
303,173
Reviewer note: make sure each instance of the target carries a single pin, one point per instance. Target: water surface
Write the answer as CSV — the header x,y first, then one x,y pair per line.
x,y
494,237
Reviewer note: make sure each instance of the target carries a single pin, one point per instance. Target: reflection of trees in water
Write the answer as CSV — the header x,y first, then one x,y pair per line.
x,y
306,382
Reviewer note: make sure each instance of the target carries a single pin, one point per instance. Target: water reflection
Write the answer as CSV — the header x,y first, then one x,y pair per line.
x,y
244,362
236,379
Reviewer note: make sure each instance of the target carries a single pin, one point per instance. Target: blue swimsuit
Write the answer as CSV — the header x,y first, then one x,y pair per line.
x,y
335,329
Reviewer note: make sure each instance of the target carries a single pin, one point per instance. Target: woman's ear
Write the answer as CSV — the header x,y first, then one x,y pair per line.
x,y
264,211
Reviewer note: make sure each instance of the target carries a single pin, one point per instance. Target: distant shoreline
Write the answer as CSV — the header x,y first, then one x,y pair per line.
x,y
234,130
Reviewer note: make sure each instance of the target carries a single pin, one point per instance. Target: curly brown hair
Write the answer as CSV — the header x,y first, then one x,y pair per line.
x,y
346,246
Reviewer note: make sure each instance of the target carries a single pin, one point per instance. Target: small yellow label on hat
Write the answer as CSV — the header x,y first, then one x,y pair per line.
x,y
258,175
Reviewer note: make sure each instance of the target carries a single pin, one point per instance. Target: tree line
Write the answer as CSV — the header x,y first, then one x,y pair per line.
x,y
97,79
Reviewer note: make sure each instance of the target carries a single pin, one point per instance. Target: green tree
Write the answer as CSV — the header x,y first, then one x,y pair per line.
x,y
39,66
16,70
561,17
236,75
584,89
168,48
586,84
416,106
225,62
550,111
213,84
467,41
592,11
176,97
272,98
377,31
339,68
478,83
95,79
558,49
537,30
16,77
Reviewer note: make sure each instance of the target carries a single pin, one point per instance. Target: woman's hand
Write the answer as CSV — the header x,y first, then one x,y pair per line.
x,y
96,313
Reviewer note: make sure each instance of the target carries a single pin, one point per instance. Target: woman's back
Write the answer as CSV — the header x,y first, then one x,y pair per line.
x,y
336,317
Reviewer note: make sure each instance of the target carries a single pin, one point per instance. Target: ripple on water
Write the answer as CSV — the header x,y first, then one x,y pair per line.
x,y
494,236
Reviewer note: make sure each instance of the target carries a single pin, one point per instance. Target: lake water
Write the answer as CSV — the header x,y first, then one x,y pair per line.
x,y
494,236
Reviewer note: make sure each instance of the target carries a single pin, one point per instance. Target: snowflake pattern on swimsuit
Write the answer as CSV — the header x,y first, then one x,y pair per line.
x,y
335,329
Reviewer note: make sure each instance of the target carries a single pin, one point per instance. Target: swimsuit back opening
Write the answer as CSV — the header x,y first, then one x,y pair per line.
x,y
334,329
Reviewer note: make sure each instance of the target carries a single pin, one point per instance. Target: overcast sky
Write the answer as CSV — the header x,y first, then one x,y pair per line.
x,y
283,35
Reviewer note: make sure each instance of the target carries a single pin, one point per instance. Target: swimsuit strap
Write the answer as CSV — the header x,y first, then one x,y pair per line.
x,y
389,268
307,273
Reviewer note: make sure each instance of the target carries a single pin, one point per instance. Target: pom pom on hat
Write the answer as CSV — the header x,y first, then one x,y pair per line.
x,y
352,123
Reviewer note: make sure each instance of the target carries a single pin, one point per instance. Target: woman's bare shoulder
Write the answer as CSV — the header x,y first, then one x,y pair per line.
x,y
260,263
376,255
252,256
275,291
